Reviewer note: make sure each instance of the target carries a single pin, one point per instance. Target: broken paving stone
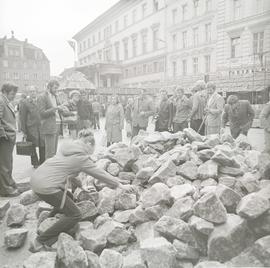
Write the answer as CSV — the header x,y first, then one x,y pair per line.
x,y
176,180
81,195
101,219
261,225
210,264
224,160
127,176
227,181
46,224
15,238
208,182
106,202
41,260
43,216
138,216
88,209
93,259
159,193
207,170
180,191
122,216
252,206
210,208
110,259
249,183
125,201
145,174
146,230
188,170
16,215
103,163
231,171
113,169
252,159
43,206
201,225
28,197
119,236
133,260
156,212
205,155
182,208
168,169
69,253
4,206
264,166
158,253
229,239
192,135
185,252
23,185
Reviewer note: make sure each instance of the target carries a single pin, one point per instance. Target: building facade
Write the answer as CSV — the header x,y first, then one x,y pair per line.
x,y
155,43
23,64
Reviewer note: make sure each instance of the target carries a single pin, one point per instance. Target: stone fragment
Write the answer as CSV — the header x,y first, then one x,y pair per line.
x,y
173,228
81,195
43,206
184,251
227,181
46,224
265,192
118,236
158,253
208,190
156,212
188,170
127,176
210,208
145,161
229,239
41,260
231,171
224,160
23,185
226,137
110,259
125,201
4,206
43,216
252,159
261,225
261,249
252,206
106,202
122,216
210,264
138,215
159,193
16,215
168,169
192,135
208,169
176,180
201,225
69,253
249,183
103,163
93,259
182,208
88,209
146,230
180,191
208,182
133,260
206,154
264,166
28,197
228,197
15,238
145,174
113,169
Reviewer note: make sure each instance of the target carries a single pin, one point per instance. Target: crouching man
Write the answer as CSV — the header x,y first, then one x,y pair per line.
x,y
51,180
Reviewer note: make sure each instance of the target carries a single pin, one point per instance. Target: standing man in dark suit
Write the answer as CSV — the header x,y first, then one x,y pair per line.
x,y
50,113
7,140
30,125
239,114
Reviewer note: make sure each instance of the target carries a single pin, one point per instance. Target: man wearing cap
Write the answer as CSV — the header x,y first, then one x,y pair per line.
x,y
239,114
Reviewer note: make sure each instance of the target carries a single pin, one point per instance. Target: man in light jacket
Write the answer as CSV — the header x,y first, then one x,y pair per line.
x,y
213,110
265,124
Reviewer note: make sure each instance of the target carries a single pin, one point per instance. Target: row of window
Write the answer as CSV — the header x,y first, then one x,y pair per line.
x,y
237,8
143,69
24,76
195,66
24,65
127,20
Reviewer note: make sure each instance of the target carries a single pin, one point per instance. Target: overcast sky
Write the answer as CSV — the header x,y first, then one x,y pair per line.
x,y
48,24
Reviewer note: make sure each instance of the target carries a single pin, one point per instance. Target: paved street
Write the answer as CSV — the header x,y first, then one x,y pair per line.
x,y
22,165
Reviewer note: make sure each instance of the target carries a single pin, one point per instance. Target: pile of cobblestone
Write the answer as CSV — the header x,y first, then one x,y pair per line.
x,y
201,202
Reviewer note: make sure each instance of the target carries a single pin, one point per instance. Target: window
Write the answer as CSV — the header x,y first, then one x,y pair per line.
x,y
134,46
94,39
155,5
174,41
155,39
174,15
235,47
100,54
116,26
236,9
184,12
15,76
195,37
116,47
174,68
155,66
207,60
184,67
259,6
208,5
107,54
126,49
195,5
258,39
135,71
184,39
126,72
26,76
143,10
195,65
89,42
84,45
134,15
80,47
99,35
144,68
144,43
208,32
5,63
125,21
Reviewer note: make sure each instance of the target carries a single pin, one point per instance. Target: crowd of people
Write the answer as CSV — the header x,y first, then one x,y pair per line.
x,y
42,117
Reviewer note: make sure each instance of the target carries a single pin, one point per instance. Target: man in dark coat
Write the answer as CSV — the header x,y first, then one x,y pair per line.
x,y
7,140
164,114
239,114
30,125
85,111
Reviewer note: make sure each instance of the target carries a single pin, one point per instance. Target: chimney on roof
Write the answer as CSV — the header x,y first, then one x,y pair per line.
x,y
12,34
25,40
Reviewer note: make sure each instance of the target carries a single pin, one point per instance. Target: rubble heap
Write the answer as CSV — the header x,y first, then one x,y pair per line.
x,y
201,202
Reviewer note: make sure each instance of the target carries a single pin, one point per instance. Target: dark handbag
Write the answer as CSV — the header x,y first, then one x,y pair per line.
x,y
24,147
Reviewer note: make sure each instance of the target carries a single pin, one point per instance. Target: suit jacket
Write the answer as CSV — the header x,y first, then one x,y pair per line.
x,y
164,115
7,119
241,118
141,111
47,114
265,117
198,105
215,106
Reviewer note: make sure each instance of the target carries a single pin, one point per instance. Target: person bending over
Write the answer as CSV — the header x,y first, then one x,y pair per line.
x,y
51,180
